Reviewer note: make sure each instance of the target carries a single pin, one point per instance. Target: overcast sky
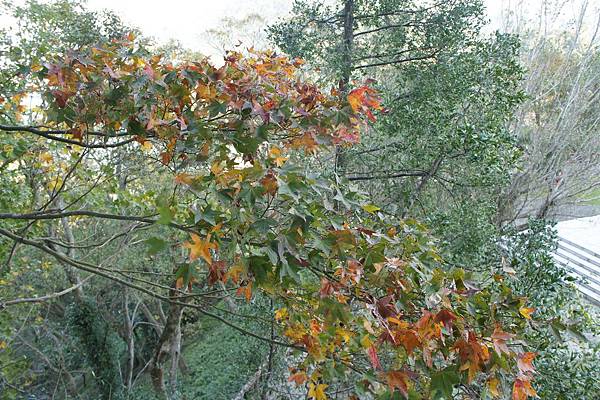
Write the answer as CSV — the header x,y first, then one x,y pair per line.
x,y
187,20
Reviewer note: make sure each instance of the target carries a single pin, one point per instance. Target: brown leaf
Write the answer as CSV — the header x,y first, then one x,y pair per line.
x,y
446,317
398,380
61,98
499,337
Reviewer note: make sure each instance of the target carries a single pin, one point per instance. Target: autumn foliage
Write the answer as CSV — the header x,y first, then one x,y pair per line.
x,y
359,294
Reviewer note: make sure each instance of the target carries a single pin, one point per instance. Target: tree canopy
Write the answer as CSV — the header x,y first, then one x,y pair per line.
x,y
333,202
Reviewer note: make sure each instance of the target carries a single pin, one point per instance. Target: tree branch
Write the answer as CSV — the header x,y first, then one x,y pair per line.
x,y
50,134
43,298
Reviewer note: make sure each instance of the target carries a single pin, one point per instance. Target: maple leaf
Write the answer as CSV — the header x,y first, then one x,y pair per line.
x,y
317,392
355,98
275,154
46,157
446,317
299,378
355,270
499,337
524,362
492,385
522,389
76,133
184,178
61,98
235,272
526,312
200,248
386,307
269,183
246,291
472,354
216,272
280,314
372,353
409,340
443,382
165,157
326,288
398,380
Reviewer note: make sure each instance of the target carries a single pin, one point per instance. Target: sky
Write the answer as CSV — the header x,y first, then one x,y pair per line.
x,y
188,20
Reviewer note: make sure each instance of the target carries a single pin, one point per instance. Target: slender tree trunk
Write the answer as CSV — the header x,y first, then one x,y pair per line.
x,y
421,185
347,67
168,347
72,274
130,343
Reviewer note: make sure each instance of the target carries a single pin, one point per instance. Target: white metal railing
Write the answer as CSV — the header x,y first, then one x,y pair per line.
x,y
583,264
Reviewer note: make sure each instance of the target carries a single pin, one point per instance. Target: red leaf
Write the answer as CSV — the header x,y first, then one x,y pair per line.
x,y
446,317
61,98
386,307
372,352
216,272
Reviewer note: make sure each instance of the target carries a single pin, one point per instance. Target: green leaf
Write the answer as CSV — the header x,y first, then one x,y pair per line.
x,y
186,272
370,208
208,215
166,215
442,383
155,245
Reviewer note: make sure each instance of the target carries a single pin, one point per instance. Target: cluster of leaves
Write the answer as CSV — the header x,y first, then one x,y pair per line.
x,y
361,292
564,321
443,147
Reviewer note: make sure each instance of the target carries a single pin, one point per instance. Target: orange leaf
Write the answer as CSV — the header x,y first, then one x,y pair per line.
x,y
398,380
246,291
525,362
299,378
184,178
522,389
269,183
200,248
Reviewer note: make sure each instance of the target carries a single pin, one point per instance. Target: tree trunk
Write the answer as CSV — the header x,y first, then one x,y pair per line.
x,y
348,42
168,347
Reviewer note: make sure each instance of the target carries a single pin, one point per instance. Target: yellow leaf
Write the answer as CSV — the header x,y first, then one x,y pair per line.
x,y
493,387
275,154
366,342
147,146
526,312
344,334
280,314
368,326
370,208
46,157
317,392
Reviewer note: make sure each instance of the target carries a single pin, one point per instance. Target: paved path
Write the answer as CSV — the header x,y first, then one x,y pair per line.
x,y
579,252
